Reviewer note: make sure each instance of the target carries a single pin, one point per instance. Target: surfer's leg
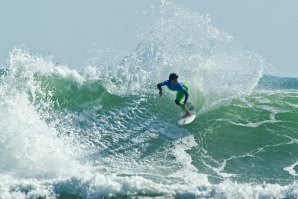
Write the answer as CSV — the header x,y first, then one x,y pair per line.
x,y
177,102
180,99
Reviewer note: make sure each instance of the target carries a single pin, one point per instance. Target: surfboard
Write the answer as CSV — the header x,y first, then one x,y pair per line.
x,y
189,119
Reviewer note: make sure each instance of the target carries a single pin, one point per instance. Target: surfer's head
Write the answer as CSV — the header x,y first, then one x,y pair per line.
x,y
173,78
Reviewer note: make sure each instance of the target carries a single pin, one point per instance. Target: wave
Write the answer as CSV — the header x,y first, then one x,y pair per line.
x,y
268,82
76,138
103,132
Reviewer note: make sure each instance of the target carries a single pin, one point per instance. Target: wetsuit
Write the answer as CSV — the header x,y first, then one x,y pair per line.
x,y
181,89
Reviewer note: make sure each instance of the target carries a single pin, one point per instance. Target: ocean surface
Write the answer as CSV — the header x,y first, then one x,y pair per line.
x,y
102,131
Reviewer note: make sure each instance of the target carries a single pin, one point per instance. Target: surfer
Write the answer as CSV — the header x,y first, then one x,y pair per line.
x,y
182,90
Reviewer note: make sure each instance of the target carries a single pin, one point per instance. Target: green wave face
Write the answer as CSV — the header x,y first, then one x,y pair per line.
x,y
249,140
253,139
70,95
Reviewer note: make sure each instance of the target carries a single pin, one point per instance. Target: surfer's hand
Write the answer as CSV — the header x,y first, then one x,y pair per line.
x,y
160,93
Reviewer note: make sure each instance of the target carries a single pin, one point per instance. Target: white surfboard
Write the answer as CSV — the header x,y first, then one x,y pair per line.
x,y
189,119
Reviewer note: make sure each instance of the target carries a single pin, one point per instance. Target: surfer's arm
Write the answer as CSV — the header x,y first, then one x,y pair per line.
x,y
159,86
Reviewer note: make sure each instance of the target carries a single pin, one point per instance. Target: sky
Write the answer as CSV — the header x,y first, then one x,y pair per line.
x,y
69,29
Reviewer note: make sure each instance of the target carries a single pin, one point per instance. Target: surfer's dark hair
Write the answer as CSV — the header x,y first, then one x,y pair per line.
x,y
173,76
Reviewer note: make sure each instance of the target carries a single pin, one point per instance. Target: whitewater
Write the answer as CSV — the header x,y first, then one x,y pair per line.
x,y
102,131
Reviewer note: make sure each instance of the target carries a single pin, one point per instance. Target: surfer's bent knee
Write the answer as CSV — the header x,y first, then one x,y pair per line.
x,y
177,102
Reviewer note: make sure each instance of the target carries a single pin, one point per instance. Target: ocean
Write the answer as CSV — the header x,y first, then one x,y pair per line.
x,y
102,131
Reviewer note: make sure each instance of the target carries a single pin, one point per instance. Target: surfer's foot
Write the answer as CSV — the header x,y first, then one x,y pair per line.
x,y
187,114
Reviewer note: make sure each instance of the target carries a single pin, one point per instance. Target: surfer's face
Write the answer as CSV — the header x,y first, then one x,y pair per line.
x,y
174,81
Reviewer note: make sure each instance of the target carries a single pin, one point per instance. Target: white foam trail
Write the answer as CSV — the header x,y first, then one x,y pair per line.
x,y
188,172
90,185
291,169
253,124
293,105
272,113
229,189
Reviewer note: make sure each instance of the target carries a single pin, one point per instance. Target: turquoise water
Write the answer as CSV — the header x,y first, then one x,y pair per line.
x,y
102,131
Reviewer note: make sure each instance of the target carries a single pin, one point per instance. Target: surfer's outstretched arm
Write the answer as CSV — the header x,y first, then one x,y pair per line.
x,y
159,88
